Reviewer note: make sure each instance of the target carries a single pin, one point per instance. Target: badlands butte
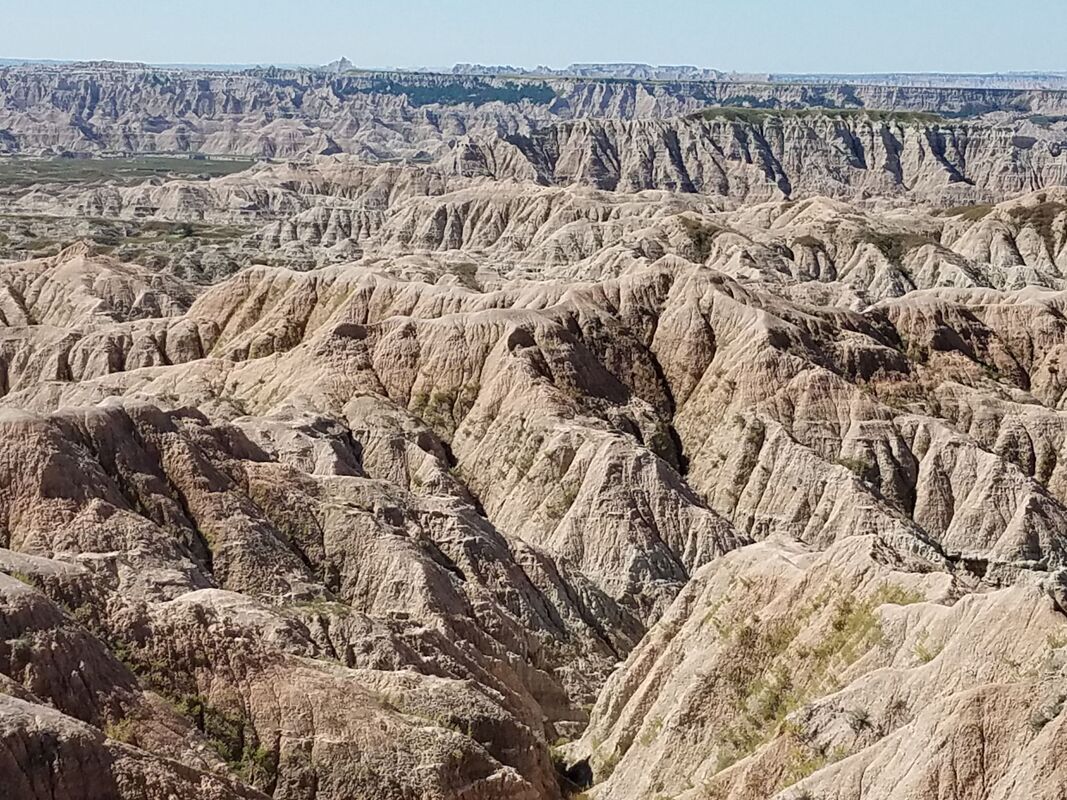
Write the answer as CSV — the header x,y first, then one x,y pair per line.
x,y
478,437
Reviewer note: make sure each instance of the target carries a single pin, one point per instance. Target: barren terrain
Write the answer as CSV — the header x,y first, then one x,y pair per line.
x,y
697,453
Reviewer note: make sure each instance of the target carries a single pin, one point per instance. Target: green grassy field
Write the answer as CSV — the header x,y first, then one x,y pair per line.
x,y
24,171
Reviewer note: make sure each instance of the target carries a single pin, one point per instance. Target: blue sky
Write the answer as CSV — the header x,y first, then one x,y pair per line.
x,y
746,35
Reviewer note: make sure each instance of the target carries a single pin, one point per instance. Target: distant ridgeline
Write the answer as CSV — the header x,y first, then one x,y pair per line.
x,y
107,108
995,80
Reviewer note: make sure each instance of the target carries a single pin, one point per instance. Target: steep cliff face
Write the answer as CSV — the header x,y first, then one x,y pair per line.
x,y
388,115
491,478
770,156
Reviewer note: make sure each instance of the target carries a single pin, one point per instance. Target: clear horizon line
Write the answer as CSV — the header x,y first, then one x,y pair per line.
x,y
12,60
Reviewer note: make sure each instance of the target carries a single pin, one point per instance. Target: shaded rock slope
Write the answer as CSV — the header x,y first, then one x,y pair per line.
x,y
343,532
759,156
329,480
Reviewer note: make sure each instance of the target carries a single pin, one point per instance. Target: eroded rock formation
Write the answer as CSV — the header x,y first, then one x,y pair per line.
x,y
479,486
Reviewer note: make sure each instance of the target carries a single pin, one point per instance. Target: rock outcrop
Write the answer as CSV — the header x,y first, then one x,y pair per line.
x,y
94,108
481,483
762,156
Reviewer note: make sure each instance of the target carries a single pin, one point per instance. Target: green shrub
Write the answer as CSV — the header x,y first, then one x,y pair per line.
x,y
24,577
1042,218
701,233
648,736
232,737
924,652
895,246
858,466
897,595
121,731
462,91
973,213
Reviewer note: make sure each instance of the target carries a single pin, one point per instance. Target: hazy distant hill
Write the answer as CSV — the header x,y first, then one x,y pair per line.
x,y
996,80
993,80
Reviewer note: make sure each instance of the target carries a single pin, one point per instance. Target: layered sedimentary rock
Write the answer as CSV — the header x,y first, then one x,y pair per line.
x,y
478,483
772,156
423,221
92,108
499,493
